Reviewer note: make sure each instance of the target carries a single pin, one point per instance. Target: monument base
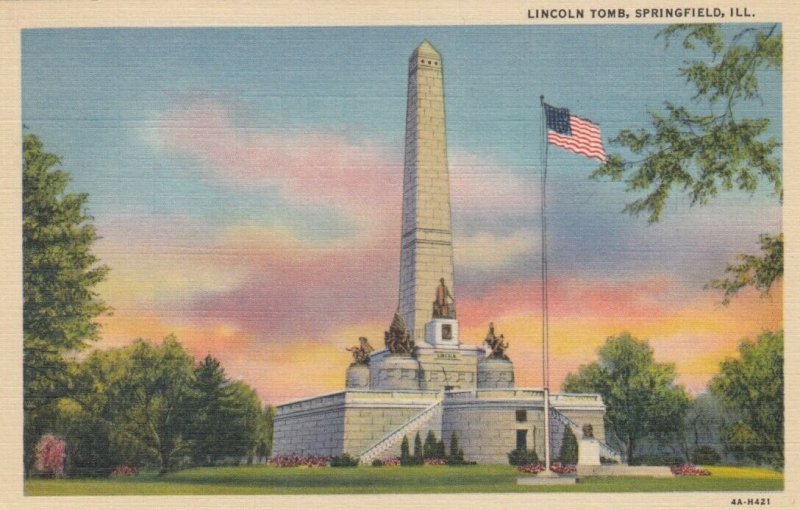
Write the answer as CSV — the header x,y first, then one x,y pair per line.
x,y
495,374
396,372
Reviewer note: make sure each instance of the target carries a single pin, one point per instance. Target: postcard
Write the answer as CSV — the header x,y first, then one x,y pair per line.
x,y
296,255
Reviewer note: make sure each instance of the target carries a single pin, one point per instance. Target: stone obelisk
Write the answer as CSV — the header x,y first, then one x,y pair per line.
x,y
426,246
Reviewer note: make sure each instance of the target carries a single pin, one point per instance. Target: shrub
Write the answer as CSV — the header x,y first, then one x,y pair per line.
x,y
377,463
418,454
51,452
456,457
657,460
429,448
522,457
606,460
405,456
569,447
344,460
706,455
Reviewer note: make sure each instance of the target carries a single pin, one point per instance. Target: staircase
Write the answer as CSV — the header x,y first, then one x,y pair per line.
x,y
605,450
395,437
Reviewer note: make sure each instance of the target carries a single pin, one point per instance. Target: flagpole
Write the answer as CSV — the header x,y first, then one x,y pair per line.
x,y
545,321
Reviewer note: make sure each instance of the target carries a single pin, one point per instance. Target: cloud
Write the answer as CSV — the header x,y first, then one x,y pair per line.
x,y
487,250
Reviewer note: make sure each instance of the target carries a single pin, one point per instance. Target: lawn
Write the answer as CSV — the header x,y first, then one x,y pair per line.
x,y
386,480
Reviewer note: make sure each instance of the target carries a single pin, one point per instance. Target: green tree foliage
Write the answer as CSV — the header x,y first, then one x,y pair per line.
x,y
456,453
149,404
405,455
522,457
59,275
759,272
710,147
641,397
701,428
418,449
430,447
751,387
568,454
227,416
263,442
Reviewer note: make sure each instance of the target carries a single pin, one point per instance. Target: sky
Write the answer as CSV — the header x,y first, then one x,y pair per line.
x,y
246,185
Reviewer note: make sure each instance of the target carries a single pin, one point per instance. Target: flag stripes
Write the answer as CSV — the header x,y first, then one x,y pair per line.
x,y
580,136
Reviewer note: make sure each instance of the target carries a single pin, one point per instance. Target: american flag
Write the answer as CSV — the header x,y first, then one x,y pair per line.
x,y
573,133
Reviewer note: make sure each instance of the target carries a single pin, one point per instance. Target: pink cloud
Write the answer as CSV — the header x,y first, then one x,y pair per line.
x,y
323,167
568,298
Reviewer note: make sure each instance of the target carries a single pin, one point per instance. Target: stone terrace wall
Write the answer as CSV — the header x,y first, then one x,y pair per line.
x,y
486,421
348,421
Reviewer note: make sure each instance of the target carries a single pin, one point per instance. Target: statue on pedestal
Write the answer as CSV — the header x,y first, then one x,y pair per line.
x,y
398,339
496,344
444,305
361,351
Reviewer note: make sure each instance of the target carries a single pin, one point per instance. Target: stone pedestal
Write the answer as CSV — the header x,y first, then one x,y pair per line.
x,y
495,373
442,333
358,377
396,372
588,452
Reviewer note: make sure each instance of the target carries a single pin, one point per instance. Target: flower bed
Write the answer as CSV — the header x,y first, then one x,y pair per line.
x,y
434,462
298,461
689,470
555,468
391,461
123,470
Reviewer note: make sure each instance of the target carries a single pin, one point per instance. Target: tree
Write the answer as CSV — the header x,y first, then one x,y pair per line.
x,y
641,397
263,446
405,455
701,428
430,447
244,412
417,449
751,386
210,424
456,453
716,149
59,275
226,415
569,448
145,396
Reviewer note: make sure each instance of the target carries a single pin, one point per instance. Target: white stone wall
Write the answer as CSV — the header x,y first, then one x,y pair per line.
x,y
486,421
314,427
426,244
346,422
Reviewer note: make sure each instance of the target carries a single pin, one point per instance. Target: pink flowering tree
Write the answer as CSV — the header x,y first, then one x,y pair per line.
x,y
51,452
